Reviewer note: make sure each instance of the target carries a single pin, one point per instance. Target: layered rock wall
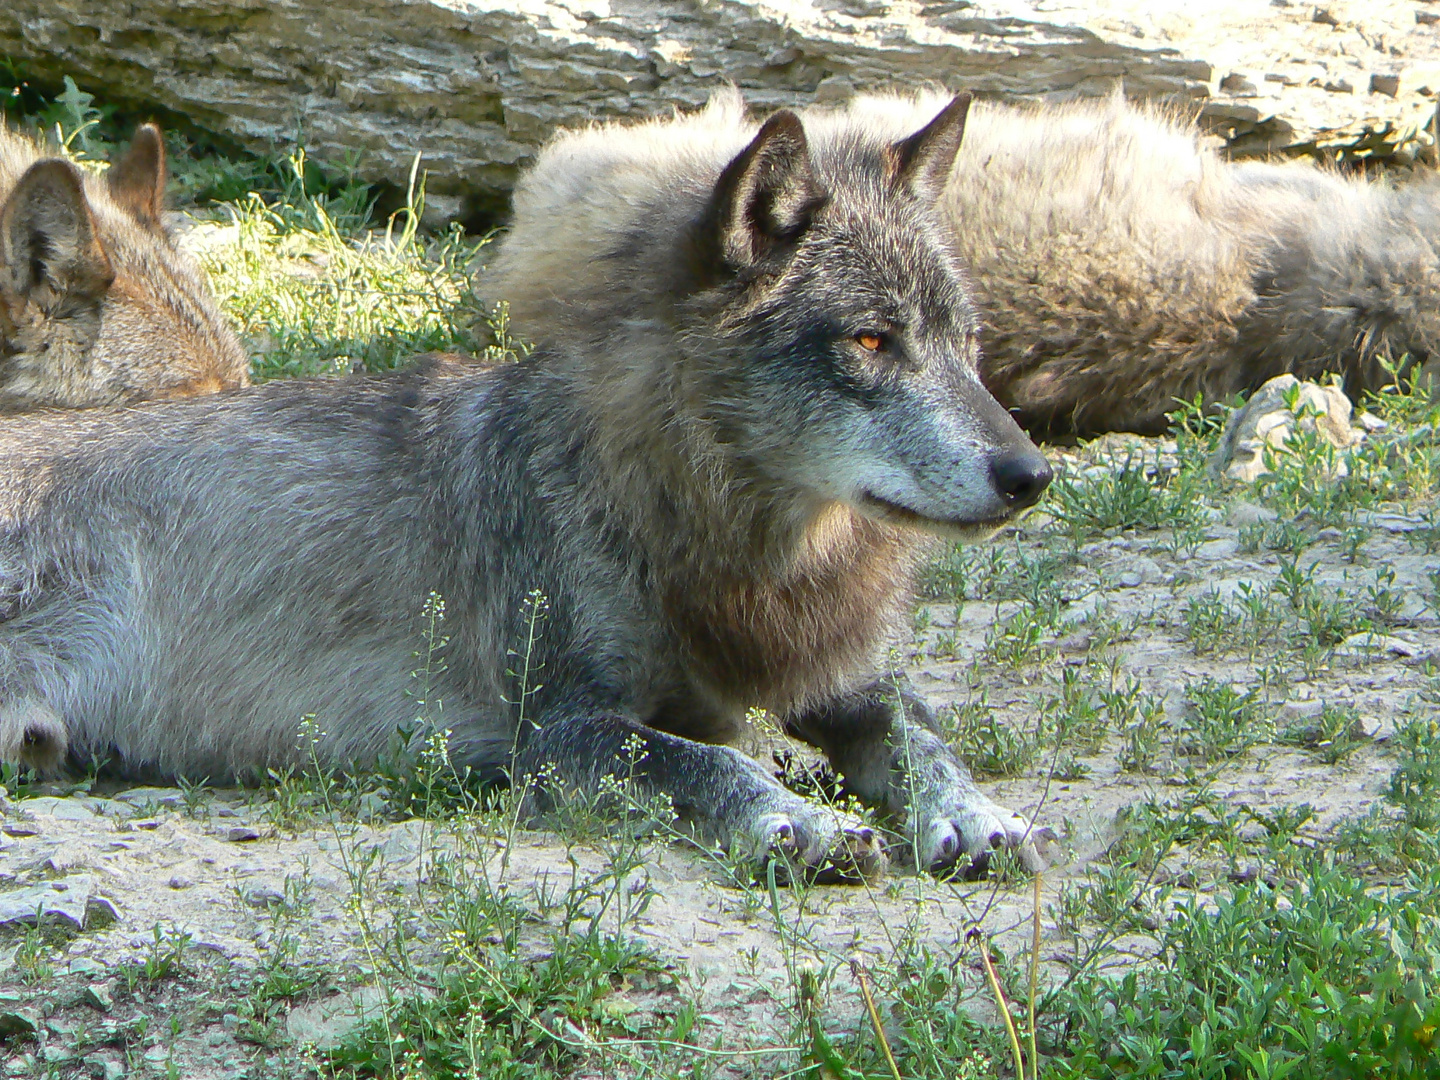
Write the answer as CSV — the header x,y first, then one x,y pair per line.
x,y
475,86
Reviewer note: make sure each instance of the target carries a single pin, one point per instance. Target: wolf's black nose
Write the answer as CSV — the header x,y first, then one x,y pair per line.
x,y
1020,477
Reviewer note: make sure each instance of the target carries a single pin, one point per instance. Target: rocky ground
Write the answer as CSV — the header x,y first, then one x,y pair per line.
x,y
204,933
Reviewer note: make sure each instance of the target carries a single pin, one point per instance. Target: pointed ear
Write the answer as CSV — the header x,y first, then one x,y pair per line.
x,y
767,196
922,162
47,237
137,180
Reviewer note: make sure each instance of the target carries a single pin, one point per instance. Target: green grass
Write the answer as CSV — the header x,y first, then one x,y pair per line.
x,y
310,296
1137,495
1320,979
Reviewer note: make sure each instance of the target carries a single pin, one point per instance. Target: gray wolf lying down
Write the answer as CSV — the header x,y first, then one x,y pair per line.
x,y
720,475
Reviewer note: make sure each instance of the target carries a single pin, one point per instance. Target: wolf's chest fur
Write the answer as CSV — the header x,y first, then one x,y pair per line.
x,y
780,641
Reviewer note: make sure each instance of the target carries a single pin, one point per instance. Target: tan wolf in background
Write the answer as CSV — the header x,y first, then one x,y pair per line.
x,y
1120,264
98,304
719,467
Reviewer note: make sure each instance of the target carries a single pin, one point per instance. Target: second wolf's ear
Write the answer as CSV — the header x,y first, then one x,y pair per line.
x,y
48,246
922,162
767,196
137,180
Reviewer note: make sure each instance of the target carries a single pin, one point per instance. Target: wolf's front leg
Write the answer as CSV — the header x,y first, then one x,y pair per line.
x,y
885,743
727,792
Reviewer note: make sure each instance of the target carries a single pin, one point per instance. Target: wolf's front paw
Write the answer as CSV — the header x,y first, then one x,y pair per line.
x,y
973,827
820,844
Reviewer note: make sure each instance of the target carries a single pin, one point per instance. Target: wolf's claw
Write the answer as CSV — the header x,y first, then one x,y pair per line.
x,y
973,828
822,845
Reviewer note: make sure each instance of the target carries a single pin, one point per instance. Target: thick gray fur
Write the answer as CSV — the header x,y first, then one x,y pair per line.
x,y
720,488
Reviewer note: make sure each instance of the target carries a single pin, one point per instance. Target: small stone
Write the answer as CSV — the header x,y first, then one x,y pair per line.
x,y
1295,711
65,898
1340,86
1223,548
1389,85
441,210
1394,523
114,1070
1324,16
241,834
1414,610
1237,84
1371,423
19,829
1130,579
178,882
98,996
1271,415
834,88
1369,644
263,896
230,1022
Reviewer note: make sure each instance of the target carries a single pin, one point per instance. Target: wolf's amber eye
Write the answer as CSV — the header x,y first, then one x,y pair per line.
x,y
869,341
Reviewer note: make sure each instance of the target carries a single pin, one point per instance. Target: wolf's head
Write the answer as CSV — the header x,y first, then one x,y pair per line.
x,y
98,306
829,322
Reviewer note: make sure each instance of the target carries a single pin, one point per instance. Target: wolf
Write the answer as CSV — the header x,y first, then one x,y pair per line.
x,y
1122,265
98,304
716,475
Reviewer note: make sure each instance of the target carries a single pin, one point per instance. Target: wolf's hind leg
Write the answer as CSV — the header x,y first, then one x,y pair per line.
x,y
32,734
727,792
886,744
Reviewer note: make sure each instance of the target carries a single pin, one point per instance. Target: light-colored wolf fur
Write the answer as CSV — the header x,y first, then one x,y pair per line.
x,y
1119,263
717,466
98,304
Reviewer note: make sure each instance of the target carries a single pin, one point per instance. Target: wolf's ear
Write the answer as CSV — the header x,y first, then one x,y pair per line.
x,y
766,196
137,180
48,245
922,162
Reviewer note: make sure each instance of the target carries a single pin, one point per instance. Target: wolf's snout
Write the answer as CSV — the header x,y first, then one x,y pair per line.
x,y
1020,477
